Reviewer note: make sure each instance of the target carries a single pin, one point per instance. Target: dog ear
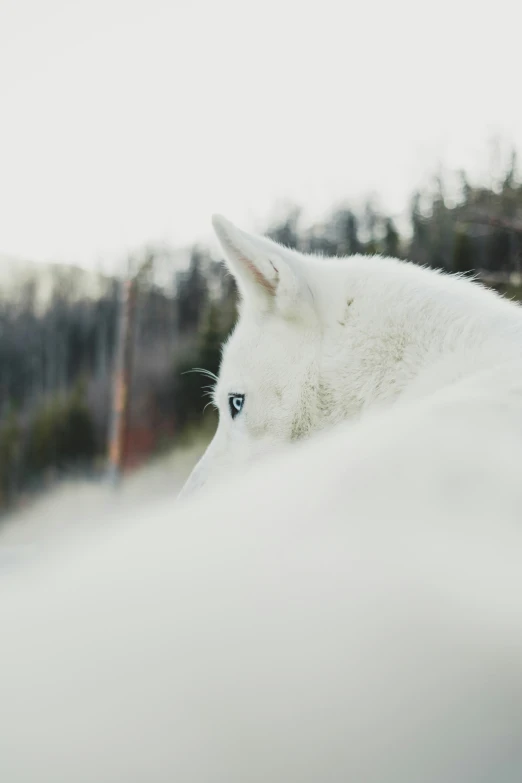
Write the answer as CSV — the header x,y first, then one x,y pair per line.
x,y
267,275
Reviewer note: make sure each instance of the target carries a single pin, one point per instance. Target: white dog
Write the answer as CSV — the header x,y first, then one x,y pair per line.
x,y
350,610
320,341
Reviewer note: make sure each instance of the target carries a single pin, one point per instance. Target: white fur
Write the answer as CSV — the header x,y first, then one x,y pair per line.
x,y
349,611
321,341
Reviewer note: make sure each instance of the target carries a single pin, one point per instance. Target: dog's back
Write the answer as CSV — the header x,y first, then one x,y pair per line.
x,y
352,610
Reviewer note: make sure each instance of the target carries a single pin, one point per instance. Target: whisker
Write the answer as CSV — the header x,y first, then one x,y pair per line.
x,y
208,391
202,370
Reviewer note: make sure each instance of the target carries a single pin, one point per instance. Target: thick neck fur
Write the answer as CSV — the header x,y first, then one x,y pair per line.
x,y
404,330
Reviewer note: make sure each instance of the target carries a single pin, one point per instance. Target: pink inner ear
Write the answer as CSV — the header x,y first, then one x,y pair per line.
x,y
260,278
248,264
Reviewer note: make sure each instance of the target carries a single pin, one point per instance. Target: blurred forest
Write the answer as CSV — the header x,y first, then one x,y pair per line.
x,y
57,358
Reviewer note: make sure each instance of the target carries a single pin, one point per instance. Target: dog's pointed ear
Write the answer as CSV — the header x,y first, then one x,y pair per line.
x,y
267,275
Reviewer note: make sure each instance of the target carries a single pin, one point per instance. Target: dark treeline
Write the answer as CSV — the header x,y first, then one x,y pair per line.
x,y
56,358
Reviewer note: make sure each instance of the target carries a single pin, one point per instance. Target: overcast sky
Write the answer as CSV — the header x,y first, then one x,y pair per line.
x,y
127,121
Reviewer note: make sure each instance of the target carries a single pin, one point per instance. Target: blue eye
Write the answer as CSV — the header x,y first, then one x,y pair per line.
x,y
235,403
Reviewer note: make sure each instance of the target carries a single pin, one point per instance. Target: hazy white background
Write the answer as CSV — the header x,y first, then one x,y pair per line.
x,y
127,121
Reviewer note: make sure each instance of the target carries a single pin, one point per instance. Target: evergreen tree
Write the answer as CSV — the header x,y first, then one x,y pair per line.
x,y
192,293
463,260
391,239
286,231
346,231
10,445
